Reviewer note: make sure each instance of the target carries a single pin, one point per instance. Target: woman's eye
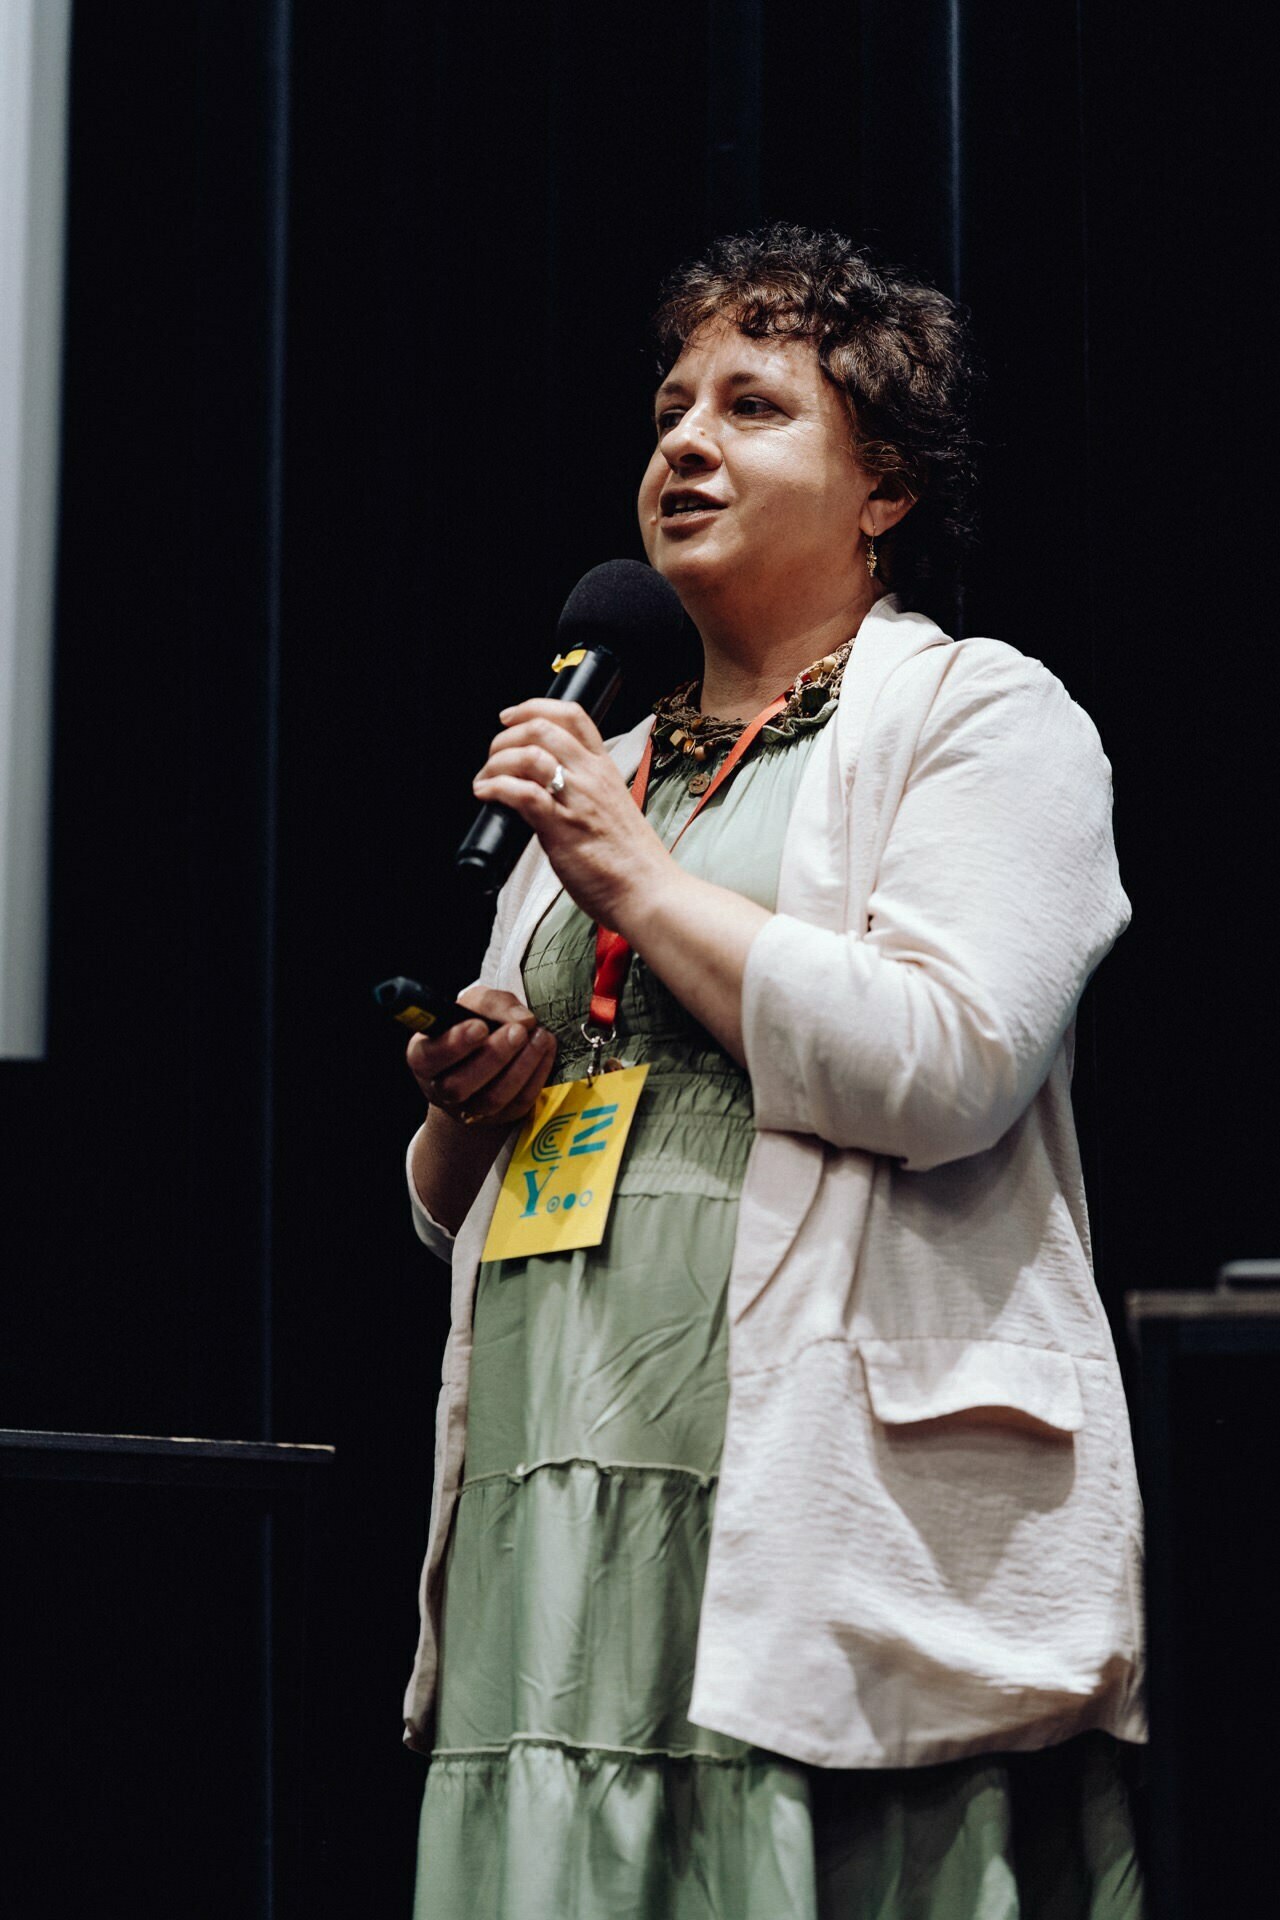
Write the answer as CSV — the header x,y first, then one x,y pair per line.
x,y
751,405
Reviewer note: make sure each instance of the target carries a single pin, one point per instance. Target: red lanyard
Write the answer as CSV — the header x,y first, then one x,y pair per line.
x,y
613,953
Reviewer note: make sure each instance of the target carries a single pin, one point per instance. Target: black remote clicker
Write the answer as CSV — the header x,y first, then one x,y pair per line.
x,y
421,1008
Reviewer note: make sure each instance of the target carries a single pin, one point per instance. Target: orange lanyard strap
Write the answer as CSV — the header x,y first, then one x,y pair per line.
x,y
613,953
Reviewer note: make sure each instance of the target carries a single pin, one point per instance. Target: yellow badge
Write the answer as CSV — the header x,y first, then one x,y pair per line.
x,y
559,1186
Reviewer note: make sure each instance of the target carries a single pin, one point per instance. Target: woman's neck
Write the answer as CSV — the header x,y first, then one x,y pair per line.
x,y
743,672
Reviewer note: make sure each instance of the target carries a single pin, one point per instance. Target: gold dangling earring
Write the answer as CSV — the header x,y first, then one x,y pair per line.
x,y
873,559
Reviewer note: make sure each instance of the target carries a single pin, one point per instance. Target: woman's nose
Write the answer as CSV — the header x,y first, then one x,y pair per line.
x,y
690,444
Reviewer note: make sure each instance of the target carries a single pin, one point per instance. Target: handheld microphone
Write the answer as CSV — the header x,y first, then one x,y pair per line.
x,y
617,602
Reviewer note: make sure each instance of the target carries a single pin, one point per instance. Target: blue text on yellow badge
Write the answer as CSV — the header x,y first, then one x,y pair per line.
x,y
558,1187
547,1148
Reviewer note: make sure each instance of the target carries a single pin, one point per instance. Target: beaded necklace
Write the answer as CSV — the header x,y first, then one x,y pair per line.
x,y
681,729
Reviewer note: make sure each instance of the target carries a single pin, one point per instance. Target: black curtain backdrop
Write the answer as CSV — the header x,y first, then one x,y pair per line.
x,y
356,388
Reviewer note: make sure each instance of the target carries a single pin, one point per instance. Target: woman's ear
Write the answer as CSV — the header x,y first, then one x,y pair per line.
x,y
889,501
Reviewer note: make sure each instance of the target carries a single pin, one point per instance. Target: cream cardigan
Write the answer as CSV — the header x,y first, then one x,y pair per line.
x,y
927,1531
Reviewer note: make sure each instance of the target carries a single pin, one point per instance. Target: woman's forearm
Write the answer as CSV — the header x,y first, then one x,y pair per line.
x,y
696,937
449,1165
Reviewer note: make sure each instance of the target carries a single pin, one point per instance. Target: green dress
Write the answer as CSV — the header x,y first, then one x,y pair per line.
x,y
566,1781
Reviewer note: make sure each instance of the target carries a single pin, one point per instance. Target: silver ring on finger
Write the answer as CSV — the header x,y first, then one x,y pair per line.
x,y
557,783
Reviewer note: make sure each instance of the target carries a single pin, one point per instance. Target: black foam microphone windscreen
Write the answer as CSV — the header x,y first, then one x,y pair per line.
x,y
618,604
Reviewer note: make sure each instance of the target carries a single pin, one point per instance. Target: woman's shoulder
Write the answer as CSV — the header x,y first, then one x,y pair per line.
x,y
982,695
1026,692
981,671
980,659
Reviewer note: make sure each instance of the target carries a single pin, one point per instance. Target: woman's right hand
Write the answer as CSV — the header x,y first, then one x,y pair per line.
x,y
481,1076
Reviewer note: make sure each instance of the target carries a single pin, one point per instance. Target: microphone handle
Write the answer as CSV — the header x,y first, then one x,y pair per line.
x,y
589,675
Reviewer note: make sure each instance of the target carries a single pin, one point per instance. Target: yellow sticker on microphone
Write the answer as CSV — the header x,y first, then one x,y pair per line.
x,y
559,1185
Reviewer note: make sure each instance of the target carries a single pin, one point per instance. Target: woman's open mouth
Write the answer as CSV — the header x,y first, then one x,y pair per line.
x,y
684,512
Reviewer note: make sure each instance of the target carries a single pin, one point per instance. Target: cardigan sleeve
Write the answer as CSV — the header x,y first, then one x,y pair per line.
x,y
425,1224
925,1033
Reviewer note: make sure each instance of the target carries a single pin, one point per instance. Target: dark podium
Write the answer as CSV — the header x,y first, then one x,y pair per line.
x,y
1208,1438
157,1633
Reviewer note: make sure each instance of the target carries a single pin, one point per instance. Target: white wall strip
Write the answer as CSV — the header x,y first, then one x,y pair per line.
x,y
34,43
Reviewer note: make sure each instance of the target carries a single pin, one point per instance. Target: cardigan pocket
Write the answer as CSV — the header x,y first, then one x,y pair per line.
x,y
972,1381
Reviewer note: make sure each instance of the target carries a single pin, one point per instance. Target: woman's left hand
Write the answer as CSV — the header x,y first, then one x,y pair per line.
x,y
596,838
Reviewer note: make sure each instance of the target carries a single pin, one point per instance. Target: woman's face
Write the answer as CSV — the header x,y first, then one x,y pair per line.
x,y
753,489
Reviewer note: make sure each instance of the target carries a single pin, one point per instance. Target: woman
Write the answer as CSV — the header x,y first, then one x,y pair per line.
x,y
784,1549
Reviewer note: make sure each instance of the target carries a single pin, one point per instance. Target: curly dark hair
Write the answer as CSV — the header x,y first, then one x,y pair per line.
x,y
897,349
